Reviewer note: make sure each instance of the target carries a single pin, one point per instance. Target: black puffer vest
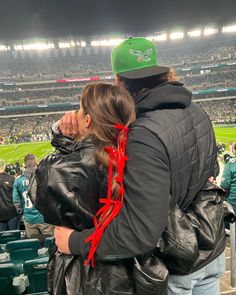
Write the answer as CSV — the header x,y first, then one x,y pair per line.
x,y
186,133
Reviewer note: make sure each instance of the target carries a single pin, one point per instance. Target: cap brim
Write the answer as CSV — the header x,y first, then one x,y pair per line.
x,y
144,72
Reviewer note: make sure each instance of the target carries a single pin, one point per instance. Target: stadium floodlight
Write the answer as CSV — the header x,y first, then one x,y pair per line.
x,y
3,48
159,37
229,29
18,47
109,42
72,43
64,45
210,31
195,33
38,46
176,35
82,43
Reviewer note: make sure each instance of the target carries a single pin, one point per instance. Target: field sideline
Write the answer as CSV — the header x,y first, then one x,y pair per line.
x,y
13,152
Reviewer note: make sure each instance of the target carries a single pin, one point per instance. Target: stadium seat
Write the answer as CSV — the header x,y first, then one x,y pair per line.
x,y
9,272
24,249
10,235
36,270
49,242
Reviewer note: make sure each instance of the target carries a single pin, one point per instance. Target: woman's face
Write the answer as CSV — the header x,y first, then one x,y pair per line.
x,y
84,122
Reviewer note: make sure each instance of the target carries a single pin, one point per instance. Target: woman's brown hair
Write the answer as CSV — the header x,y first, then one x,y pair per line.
x,y
107,105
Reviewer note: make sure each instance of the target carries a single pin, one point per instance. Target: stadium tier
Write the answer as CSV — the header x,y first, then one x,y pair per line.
x,y
34,84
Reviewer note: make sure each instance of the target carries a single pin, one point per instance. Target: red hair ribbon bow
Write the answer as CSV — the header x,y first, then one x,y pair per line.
x,y
111,207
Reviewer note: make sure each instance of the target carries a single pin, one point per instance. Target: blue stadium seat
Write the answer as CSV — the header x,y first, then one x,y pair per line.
x,y
7,273
24,249
9,235
36,270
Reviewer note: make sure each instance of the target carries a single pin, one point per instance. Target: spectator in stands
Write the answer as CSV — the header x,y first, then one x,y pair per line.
x,y
227,157
33,220
172,150
70,182
9,219
228,181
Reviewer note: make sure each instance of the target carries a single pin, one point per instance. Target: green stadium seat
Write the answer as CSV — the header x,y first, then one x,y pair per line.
x,y
24,249
36,270
9,271
49,242
9,235
38,293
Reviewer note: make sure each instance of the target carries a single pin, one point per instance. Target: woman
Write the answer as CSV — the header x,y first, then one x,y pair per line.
x,y
69,183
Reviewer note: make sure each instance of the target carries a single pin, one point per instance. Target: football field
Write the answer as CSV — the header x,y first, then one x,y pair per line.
x,y
16,152
13,152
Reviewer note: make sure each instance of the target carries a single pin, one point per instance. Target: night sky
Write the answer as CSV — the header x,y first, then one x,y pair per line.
x,y
59,18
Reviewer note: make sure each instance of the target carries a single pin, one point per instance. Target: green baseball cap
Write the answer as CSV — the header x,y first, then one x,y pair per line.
x,y
136,58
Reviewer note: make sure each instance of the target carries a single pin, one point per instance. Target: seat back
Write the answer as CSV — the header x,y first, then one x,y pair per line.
x,y
49,242
24,249
9,235
7,272
36,270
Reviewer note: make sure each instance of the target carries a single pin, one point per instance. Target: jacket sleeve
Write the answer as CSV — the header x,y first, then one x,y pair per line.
x,y
143,217
226,177
17,200
65,190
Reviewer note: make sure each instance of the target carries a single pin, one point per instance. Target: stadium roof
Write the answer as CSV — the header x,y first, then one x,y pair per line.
x,y
59,18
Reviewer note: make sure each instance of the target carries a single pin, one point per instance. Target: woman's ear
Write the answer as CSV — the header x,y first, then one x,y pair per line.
x,y
88,121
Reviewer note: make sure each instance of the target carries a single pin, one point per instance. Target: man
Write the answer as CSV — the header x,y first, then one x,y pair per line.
x,y
33,220
9,219
171,150
228,181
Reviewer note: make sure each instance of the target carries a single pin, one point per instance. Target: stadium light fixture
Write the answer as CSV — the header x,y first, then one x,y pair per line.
x,y
3,48
38,46
159,37
64,45
195,33
82,43
176,35
18,47
109,42
229,29
210,31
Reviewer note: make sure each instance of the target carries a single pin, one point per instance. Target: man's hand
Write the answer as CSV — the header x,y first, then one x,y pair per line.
x,y
69,125
62,235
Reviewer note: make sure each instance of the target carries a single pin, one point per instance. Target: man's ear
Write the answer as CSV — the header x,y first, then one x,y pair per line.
x,y
88,121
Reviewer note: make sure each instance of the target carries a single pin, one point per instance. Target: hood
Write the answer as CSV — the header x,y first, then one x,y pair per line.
x,y
166,96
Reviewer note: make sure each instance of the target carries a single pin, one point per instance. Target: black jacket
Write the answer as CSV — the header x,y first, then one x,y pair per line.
x,y
68,184
172,152
7,208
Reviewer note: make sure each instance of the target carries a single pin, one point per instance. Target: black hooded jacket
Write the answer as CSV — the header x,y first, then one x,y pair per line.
x,y
7,208
171,152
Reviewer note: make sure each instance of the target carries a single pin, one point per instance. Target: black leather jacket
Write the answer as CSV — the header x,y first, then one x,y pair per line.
x,y
68,184
7,208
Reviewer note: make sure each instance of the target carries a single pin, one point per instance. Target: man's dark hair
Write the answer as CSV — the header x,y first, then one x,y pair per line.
x,y
135,86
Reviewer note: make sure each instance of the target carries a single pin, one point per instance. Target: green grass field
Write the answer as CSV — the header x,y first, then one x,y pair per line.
x,y
12,153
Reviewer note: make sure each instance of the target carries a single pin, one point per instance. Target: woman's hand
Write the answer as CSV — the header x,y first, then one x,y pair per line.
x,y
61,235
69,125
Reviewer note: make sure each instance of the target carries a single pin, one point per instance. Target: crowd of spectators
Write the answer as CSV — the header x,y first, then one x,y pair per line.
x,y
223,111
38,128
41,90
27,129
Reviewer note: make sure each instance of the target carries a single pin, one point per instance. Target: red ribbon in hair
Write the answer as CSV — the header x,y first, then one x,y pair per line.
x,y
111,207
